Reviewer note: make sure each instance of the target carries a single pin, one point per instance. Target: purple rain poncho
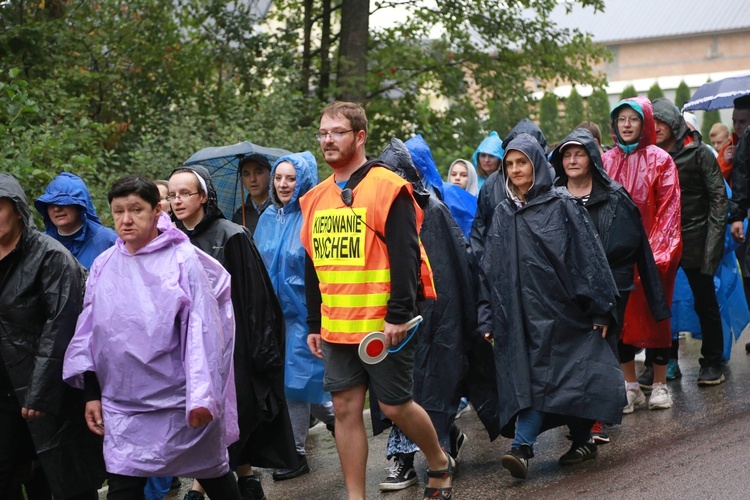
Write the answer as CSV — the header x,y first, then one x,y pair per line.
x,y
157,329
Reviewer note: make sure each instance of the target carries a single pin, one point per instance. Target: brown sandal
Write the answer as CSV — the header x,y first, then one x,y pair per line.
x,y
445,493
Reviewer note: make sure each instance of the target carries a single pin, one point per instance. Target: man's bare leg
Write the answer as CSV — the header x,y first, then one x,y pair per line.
x,y
417,426
351,439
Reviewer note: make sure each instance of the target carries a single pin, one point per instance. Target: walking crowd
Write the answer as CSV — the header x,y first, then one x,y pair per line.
x,y
183,344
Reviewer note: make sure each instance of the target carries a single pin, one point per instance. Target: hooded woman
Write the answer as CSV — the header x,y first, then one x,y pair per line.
x,y
487,157
70,218
446,337
265,431
463,174
579,169
552,295
41,418
277,237
649,175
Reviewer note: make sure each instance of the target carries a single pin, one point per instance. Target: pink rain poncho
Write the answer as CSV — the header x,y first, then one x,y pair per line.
x,y
157,328
650,177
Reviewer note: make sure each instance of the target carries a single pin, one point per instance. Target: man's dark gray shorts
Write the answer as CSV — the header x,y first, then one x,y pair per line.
x,y
392,379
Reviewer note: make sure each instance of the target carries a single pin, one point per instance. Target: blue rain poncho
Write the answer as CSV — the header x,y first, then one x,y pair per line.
x,y
278,241
460,202
491,145
93,238
729,293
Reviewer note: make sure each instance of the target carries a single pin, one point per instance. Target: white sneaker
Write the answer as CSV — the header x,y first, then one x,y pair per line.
x,y
635,398
660,398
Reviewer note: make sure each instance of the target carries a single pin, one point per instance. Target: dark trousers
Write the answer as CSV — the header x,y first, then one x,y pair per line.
x,y
707,309
131,488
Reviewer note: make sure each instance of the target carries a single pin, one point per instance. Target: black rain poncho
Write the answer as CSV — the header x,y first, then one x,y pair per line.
x,y
620,228
266,438
446,340
546,277
41,295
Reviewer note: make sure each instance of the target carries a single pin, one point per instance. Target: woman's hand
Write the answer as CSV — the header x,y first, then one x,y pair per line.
x,y
603,328
93,414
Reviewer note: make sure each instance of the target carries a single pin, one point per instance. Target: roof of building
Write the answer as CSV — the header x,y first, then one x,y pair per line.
x,y
631,20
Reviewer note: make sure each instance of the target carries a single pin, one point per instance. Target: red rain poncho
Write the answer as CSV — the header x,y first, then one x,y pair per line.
x,y
650,176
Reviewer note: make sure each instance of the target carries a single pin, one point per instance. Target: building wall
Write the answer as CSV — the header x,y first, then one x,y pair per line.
x,y
679,56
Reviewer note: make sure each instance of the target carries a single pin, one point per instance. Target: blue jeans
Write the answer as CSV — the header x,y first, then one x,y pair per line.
x,y
528,425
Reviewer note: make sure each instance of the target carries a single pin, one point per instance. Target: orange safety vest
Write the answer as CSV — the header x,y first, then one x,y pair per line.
x,y
351,261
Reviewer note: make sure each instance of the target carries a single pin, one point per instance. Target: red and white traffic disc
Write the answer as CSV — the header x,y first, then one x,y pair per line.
x,y
372,349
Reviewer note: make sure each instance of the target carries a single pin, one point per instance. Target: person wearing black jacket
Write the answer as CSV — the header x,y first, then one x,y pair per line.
x,y
41,417
266,438
704,206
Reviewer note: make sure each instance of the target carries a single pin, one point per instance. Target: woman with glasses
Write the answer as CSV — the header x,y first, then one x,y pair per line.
x,y
265,431
650,176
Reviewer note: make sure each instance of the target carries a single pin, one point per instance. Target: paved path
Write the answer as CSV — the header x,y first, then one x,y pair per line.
x,y
698,449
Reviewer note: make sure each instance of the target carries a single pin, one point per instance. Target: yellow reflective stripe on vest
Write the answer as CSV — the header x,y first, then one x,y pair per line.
x,y
343,277
364,300
352,326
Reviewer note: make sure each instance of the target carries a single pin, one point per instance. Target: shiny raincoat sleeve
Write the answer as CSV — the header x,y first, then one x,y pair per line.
x,y
717,214
205,341
62,285
666,237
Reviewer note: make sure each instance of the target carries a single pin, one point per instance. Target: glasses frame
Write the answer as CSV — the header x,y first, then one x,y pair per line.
x,y
180,196
336,135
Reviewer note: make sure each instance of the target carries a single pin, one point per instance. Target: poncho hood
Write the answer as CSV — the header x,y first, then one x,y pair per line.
x,y
529,146
667,112
643,107
583,137
66,189
10,188
397,158
421,158
472,186
526,126
307,178
491,145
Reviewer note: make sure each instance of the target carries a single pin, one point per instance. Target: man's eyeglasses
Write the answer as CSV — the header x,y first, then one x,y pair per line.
x,y
335,135
180,196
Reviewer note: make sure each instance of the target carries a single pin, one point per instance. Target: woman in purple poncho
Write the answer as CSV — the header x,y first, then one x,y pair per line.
x,y
153,351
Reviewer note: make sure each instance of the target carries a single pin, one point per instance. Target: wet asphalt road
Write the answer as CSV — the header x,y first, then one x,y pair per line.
x,y
700,448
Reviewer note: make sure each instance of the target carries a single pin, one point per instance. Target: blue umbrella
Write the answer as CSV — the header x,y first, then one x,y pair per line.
x,y
720,94
222,163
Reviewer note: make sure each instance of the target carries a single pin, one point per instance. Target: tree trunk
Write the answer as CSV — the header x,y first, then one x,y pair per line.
x,y
306,57
324,81
352,64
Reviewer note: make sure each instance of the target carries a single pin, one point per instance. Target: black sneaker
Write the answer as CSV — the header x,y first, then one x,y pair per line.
x,y
646,379
517,461
710,375
250,488
302,468
401,474
578,453
194,495
457,442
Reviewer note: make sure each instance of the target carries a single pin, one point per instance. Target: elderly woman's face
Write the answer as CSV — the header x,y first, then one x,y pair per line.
x,y
10,222
520,170
576,162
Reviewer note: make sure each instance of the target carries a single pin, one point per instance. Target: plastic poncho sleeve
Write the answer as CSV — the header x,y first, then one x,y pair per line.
x,y
205,341
665,236
62,285
78,356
